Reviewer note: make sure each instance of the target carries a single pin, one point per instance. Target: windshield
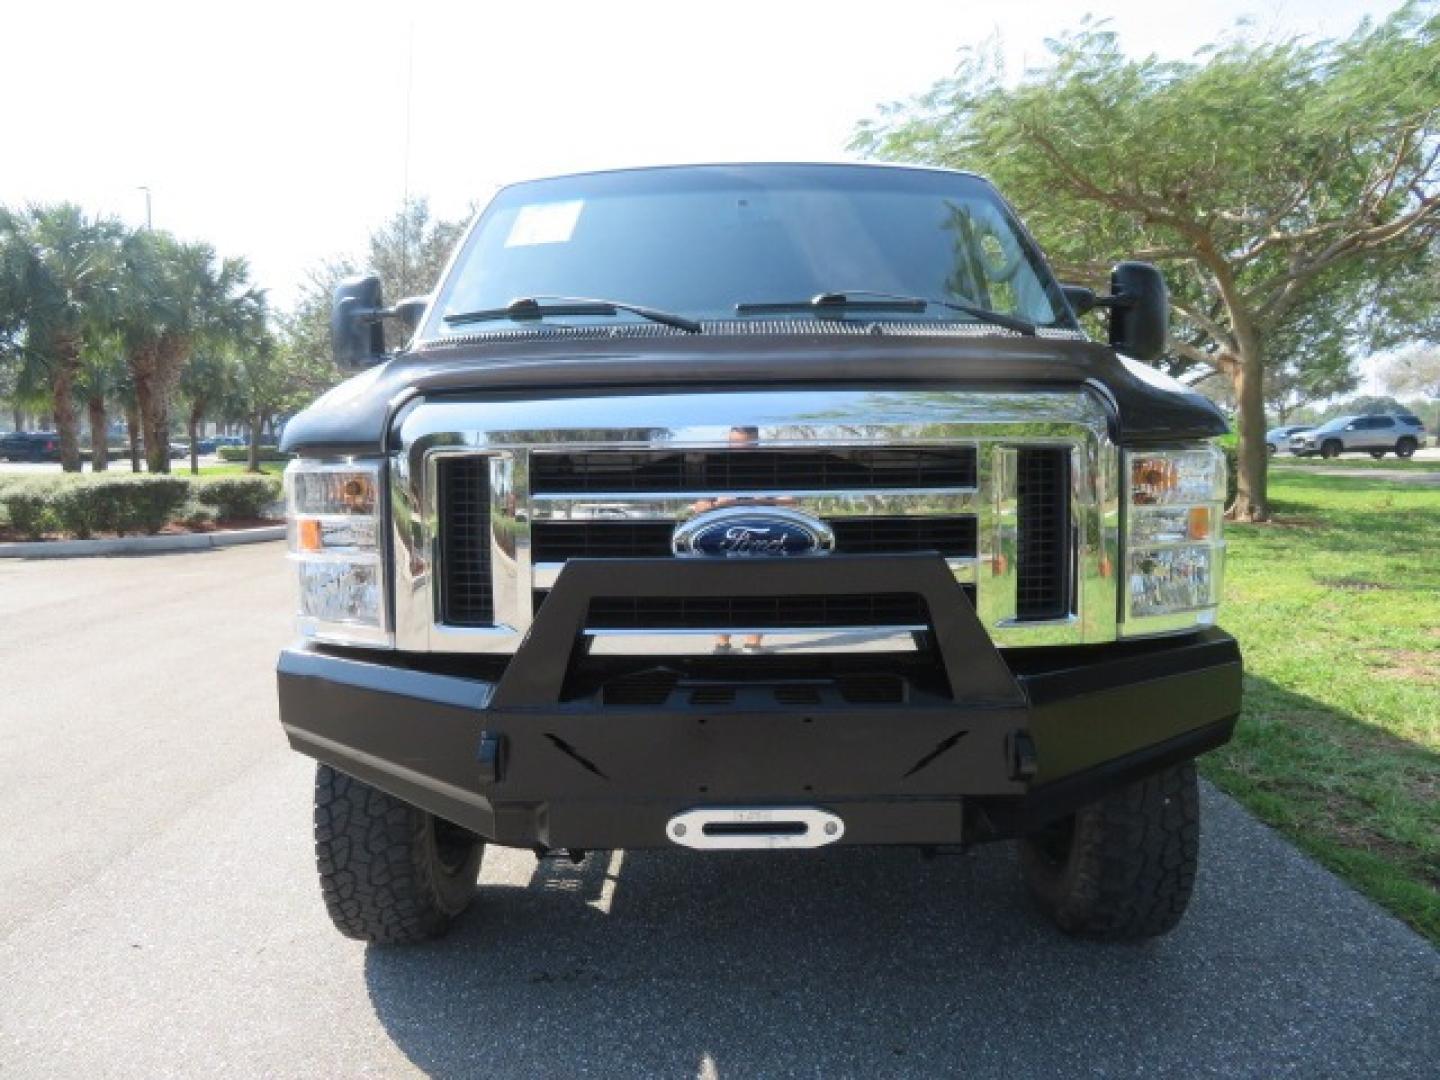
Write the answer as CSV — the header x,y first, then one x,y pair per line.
x,y
698,241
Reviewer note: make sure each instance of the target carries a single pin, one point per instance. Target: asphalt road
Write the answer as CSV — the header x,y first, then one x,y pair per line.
x,y
159,915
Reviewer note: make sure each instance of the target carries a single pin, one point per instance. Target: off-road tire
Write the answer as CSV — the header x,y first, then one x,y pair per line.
x,y
389,872
1331,448
1122,868
1405,447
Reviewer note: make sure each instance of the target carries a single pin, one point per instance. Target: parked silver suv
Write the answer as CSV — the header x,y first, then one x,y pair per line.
x,y
1402,433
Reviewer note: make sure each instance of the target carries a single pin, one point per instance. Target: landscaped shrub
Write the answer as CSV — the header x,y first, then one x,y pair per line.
x,y
146,503
81,506
238,497
28,509
242,453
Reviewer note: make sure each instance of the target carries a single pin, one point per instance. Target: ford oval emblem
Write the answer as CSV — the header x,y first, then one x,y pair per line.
x,y
745,532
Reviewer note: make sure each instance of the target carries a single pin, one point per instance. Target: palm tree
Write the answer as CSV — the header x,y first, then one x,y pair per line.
x,y
102,371
207,380
57,275
177,297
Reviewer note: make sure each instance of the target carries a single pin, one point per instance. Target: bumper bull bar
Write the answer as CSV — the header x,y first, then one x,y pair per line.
x,y
1016,740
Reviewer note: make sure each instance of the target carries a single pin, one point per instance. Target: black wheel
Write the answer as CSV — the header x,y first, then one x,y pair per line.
x,y
1271,448
1120,869
1331,448
1405,447
390,873
1377,454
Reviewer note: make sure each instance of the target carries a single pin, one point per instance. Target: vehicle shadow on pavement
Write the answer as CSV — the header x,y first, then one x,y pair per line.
x,y
875,962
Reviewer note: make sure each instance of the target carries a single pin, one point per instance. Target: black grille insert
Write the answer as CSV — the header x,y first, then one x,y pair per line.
x,y
556,541
1044,551
466,593
828,469
951,536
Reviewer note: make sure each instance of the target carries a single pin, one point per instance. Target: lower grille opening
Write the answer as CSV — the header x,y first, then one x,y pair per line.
x,y
654,688
712,695
755,612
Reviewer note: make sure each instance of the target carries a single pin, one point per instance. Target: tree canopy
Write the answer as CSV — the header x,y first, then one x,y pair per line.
x,y
1289,188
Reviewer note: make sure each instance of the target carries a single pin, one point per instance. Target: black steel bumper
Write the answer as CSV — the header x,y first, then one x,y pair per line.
x,y
525,758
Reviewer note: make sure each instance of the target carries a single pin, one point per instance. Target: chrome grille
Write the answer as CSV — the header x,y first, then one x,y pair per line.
x,y
1033,540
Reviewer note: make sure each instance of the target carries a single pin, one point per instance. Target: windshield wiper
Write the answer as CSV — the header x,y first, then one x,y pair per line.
x,y
539,307
870,300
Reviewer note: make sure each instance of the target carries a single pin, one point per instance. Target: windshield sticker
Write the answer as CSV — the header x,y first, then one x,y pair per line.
x,y
544,223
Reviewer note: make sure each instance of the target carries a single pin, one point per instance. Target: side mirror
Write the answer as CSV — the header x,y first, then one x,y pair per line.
x,y
1080,298
1139,307
411,310
357,340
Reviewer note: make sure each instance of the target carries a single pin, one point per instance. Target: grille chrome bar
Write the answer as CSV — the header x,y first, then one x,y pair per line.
x,y
745,467
545,574
680,506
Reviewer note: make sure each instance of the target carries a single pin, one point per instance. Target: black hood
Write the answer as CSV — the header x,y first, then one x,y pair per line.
x,y
1145,405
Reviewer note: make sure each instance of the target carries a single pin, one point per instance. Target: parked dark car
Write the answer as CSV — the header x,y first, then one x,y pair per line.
x,y
30,446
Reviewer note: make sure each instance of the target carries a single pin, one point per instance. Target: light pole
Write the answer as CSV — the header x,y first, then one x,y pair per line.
x,y
149,224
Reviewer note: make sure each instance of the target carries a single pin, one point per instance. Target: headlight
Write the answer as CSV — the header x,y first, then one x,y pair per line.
x,y
1174,550
333,524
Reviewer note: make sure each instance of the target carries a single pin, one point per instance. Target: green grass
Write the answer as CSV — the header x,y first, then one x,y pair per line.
x,y
226,468
1355,461
1337,608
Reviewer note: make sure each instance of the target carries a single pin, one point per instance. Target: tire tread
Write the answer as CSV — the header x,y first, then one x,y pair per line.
x,y
1132,863
378,879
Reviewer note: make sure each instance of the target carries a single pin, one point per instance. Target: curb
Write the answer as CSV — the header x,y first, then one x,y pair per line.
x,y
138,545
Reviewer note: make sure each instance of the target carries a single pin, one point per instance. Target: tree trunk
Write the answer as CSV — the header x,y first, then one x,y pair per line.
x,y
154,424
99,435
132,433
1252,502
193,424
253,464
67,424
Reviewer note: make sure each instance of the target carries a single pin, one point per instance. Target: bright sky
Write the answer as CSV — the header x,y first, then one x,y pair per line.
x,y
278,130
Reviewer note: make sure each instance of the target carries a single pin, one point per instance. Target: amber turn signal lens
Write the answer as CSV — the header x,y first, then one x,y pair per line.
x,y
357,494
308,530
1199,523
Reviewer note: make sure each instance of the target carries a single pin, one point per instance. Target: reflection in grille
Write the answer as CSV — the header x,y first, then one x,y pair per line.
x,y
753,469
464,496
1043,549
556,541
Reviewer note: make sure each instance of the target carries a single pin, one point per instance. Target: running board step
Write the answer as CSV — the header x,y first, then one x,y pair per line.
x,y
737,828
